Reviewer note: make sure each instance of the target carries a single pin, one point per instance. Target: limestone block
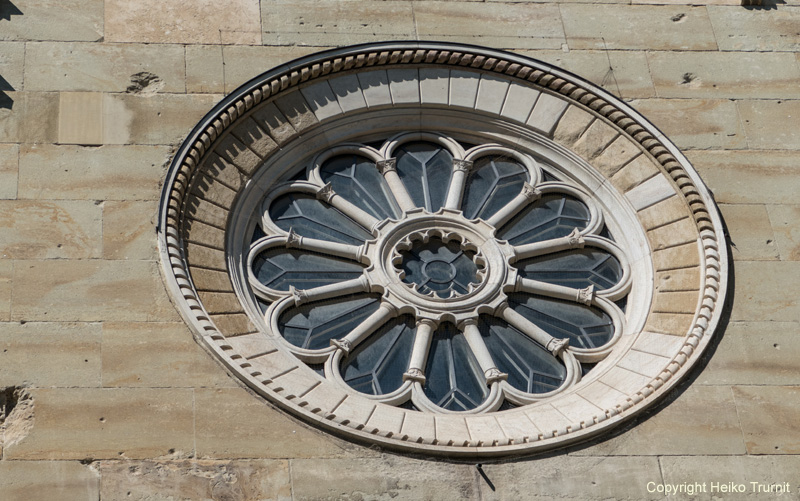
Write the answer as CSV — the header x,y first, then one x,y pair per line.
x,y
89,291
547,419
9,171
625,381
353,410
519,102
744,29
434,85
417,425
620,153
675,302
6,273
452,430
11,66
483,430
128,230
204,72
603,396
509,42
769,418
695,123
232,324
206,212
764,291
634,173
50,354
765,124
674,324
204,234
594,140
47,230
512,21
213,191
243,62
205,257
492,93
751,235
106,423
348,93
269,118
219,302
658,344
375,86
755,353
743,177
517,429
681,256
404,85
80,118
222,171
29,117
657,27
206,22
103,67
680,232
577,409
682,280
235,152
784,220
700,420
48,480
228,420
146,480
463,88
295,385
644,363
252,136
157,354
549,110
386,421
725,74
295,108
54,20
250,345
210,280
654,190
74,172
321,100
664,212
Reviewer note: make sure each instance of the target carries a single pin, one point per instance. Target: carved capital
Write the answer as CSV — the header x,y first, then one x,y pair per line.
x,y
342,344
293,240
299,295
556,346
576,240
494,375
384,166
462,165
415,375
326,193
530,192
586,296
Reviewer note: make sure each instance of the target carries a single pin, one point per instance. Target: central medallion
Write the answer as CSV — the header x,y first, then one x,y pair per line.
x,y
433,266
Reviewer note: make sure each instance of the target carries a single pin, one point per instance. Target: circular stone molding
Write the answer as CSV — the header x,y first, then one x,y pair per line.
x,y
264,237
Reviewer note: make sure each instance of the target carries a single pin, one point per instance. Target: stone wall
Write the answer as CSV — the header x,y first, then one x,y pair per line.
x,y
108,394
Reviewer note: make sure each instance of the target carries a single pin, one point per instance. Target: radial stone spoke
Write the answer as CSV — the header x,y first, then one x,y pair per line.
x,y
554,345
419,353
365,328
481,352
361,217
295,241
583,296
388,168
353,286
526,196
572,241
456,192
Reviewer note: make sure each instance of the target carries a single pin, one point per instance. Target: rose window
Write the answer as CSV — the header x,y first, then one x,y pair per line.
x,y
437,275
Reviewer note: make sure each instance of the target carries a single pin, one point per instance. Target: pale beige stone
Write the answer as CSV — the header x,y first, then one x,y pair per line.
x,y
634,173
348,93
391,477
595,139
197,22
699,420
107,423
675,302
269,118
682,256
102,67
170,479
50,354
750,233
463,88
106,173
725,74
206,212
9,171
321,100
48,480
572,125
80,118
757,296
765,123
252,136
656,28
375,87
220,302
227,420
404,85
658,344
296,110
745,177
53,20
674,324
40,229
128,230
769,418
233,324
244,62
28,117
755,353
619,153
784,220
210,280
154,354
235,152
6,273
204,234
673,234
89,290
520,100
500,41
679,280
205,257
695,123
748,29
220,171
12,60
552,111
650,192
204,69
667,211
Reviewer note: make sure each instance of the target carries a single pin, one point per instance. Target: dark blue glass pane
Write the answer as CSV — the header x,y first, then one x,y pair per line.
x,y
552,216
377,365
280,268
577,268
358,181
492,183
454,379
529,366
312,218
425,169
313,325
584,326
439,267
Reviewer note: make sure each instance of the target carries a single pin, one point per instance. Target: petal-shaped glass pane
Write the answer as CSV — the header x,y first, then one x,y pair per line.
x,y
552,216
584,326
313,325
454,380
529,366
425,169
492,183
280,268
576,268
358,180
312,218
377,365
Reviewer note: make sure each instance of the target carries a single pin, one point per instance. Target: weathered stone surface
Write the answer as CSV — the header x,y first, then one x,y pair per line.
x,y
204,72
746,177
746,29
700,420
755,353
617,155
681,280
53,20
107,173
657,27
128,230
682,256
80,118
12,61
571,477
679,232
725,74
9,170
245,62
572,125
765,124
89,290
168,480
202,21
391,477
751,235
28,117
6,273
769,418
48,480
154,354
784,220
673,324
49,354
695,123
48,230
595,139
634,173
757,297
232,423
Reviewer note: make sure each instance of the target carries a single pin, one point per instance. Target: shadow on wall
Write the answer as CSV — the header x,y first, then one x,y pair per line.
x,y
5,100
8,9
